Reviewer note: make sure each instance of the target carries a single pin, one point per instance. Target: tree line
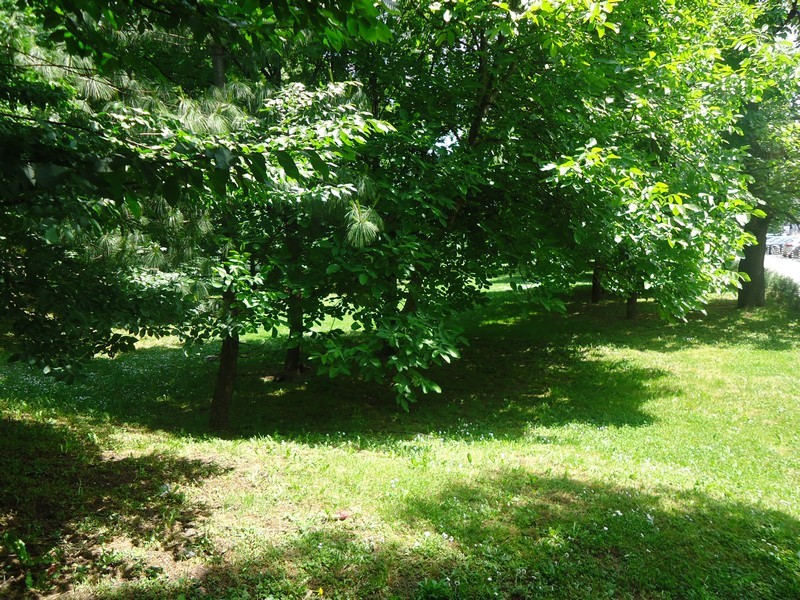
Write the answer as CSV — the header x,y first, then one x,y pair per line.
x,y
211,169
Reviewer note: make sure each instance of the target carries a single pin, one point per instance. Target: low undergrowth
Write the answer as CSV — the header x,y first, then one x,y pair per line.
x,y
783,291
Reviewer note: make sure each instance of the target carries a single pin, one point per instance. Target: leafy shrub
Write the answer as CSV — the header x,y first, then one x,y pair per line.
x,y
783,291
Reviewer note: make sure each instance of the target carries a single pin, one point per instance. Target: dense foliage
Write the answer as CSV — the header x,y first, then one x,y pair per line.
x,y
210,169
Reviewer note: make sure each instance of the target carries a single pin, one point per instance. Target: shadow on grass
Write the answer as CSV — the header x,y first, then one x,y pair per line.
x,y
769,328
503,384
62,501
523,368
515,534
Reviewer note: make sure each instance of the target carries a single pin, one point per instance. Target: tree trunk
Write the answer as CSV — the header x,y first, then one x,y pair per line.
x,y
226,376
597,286
753,293
229,353
293,364
217,65
275,76
337,67
632,307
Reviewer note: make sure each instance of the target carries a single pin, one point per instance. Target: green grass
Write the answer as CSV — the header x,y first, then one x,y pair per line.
x,y
574,456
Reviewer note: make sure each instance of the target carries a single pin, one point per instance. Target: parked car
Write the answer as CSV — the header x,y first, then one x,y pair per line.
x,y
775,243
791,248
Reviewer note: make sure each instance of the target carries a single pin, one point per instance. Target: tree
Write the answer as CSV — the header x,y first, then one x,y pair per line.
x,y
146,133
537,140
767,135
770,133
266,237
674,184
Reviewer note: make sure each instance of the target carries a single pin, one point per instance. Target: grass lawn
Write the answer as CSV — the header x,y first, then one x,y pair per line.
x,y
572,456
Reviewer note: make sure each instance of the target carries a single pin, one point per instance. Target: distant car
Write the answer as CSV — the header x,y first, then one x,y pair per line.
x,y
775,243
791,248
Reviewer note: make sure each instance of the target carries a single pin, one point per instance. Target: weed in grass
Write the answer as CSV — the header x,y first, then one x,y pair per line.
x,y
435,589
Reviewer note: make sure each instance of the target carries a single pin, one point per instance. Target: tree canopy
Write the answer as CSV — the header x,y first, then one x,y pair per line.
x,y
209,169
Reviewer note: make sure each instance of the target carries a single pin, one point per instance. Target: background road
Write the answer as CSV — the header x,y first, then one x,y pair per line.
x,y
787,267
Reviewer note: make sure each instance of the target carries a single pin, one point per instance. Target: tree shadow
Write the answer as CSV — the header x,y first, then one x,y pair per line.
x,y
769,328
68,510
681,544
523,367
510,377
517,534
502,386
724,325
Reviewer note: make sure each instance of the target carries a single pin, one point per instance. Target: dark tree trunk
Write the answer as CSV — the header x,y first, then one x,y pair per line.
x,y
229,354
276,72
753,293
632,307
337,67
485,94
410,305
597,286
226,376
218,65
293,363
375,95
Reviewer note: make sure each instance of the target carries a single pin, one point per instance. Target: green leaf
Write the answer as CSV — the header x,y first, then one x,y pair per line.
x,y
288,165
334,38
134,206
49,175
258,165
223,158
366,30
51,235
218,178
319,165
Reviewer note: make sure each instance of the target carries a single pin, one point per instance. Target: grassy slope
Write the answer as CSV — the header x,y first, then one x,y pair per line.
x,y
569,456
